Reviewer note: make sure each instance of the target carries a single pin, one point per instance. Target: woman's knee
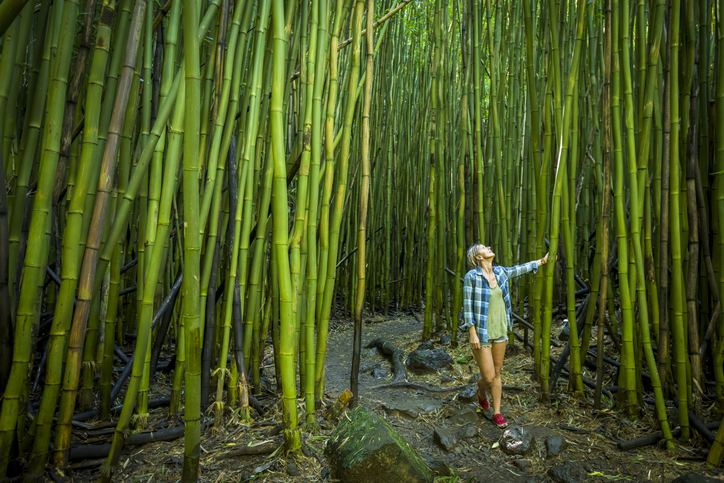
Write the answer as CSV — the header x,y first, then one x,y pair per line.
x,y
488,377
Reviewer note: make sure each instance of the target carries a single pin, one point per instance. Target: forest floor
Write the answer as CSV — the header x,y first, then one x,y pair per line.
x,y
592,435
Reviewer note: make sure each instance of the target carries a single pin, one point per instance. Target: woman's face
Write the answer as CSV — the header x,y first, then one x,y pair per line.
x,y
485,253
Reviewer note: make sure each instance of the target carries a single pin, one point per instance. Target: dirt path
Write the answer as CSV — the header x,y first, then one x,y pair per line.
x,y
475,454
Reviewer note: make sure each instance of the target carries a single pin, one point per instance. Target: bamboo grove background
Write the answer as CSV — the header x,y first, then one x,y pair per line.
x,y
205,175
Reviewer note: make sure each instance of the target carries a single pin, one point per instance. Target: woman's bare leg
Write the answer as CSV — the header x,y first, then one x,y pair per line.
x,y
496,386
484,359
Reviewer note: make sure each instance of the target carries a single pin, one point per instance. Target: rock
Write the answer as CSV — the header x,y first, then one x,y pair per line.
x,y
566,332
365,448
469,394
567,473
523,465
465,416
470,432
694,478
444,439
439,468
292,469
554,445
325,473
445,340
379,373
517,440
444,379
428,360
427,345
412,408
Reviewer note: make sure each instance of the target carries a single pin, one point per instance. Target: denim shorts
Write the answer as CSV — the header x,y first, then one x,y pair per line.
x,y
491,341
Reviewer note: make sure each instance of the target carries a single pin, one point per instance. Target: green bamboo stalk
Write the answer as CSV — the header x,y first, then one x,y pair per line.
x,y
312,271
433,206
567,226
677,286
329,231
105,185
36,257
306,93
71,238
279,233
558,188
719,156
8,12
29,144
477,102
464,152
10,44
192,246
627,330
635,217
503,213
363,203
243,208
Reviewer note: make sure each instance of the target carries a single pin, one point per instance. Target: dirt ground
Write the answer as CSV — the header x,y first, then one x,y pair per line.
x,y
591,435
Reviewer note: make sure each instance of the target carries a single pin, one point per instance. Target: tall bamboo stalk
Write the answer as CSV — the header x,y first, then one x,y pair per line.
x,y
36,257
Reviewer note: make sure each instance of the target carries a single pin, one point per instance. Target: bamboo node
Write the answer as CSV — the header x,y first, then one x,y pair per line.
x,y
90,366
140,422
217,408
223,370
106,471
311,427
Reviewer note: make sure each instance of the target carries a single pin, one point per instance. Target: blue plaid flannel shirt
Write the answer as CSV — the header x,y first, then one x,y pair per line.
x,y
476,295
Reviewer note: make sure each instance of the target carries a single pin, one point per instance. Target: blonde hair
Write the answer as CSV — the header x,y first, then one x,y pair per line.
x,y
472,253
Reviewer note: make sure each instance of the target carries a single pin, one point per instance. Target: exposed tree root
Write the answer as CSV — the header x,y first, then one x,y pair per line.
x,y
398,366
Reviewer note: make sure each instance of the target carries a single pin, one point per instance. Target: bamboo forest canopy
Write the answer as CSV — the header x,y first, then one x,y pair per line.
x,y
198,177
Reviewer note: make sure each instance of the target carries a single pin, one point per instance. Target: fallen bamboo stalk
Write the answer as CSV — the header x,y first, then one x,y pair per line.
x,y
697,424
101,450
264,448
554,360
530,326
655,438
412,385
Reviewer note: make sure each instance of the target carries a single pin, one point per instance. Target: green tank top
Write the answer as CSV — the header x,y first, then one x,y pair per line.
x,y
497,324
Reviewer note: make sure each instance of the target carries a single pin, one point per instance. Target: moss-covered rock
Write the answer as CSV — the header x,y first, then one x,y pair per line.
x,y
365,448
428,361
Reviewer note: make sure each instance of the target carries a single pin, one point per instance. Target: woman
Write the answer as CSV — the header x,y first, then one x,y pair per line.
x,y
486,308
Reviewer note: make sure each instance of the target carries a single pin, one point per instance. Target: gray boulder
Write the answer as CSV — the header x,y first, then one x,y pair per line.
x,y
364,448
465,416
437,466
517,440
554,445
428,361
523,465
567,473
379,373
427,345
470,393
444,438
694,478
469,432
